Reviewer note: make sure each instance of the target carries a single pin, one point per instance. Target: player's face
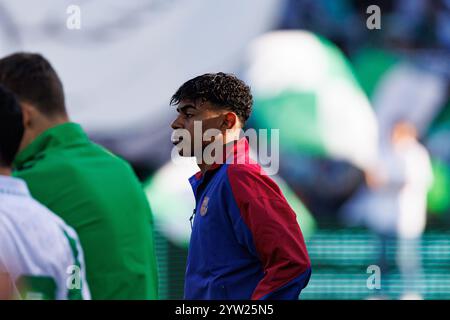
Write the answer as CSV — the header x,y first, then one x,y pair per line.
x,y
190,112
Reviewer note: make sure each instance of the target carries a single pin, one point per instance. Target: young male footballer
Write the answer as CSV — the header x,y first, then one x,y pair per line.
x,y
246,242
40,256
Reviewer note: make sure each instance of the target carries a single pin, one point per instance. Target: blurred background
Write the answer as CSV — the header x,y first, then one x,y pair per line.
x,y
364,119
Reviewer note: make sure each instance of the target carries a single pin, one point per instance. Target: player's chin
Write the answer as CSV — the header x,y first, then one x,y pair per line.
x,y
183,152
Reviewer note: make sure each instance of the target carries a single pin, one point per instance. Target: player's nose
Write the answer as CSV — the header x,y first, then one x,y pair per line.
x,y
177,124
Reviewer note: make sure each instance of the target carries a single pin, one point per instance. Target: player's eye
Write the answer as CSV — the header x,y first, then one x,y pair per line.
x,y
188,115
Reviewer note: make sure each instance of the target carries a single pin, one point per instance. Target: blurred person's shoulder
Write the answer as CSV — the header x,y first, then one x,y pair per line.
x,y
78,158
83,167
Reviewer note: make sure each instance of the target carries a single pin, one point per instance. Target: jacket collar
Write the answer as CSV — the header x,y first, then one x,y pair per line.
x,y
236,152
56,137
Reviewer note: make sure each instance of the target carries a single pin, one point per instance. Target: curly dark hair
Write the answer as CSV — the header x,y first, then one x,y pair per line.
x,y
220,89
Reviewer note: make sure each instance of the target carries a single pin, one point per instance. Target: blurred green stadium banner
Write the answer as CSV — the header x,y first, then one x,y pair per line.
x,y
304,86
438,135
370,64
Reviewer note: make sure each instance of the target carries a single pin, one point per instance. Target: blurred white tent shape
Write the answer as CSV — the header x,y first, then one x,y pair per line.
x,y
121,68
304,86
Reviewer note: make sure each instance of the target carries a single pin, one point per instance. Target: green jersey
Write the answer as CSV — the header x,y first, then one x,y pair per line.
x,y
98,195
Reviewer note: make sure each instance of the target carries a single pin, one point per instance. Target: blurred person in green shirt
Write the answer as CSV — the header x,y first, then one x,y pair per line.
x,y
92,190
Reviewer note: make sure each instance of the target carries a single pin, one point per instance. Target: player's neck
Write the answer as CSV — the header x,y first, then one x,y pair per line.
x,y
204,167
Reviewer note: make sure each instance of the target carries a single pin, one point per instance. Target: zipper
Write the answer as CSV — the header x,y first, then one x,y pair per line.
x,y
192,218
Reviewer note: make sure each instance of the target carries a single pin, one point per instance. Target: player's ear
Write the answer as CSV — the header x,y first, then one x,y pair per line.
x,y
229,120
27,114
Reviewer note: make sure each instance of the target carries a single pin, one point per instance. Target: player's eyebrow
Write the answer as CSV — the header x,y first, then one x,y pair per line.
x,y
185,108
